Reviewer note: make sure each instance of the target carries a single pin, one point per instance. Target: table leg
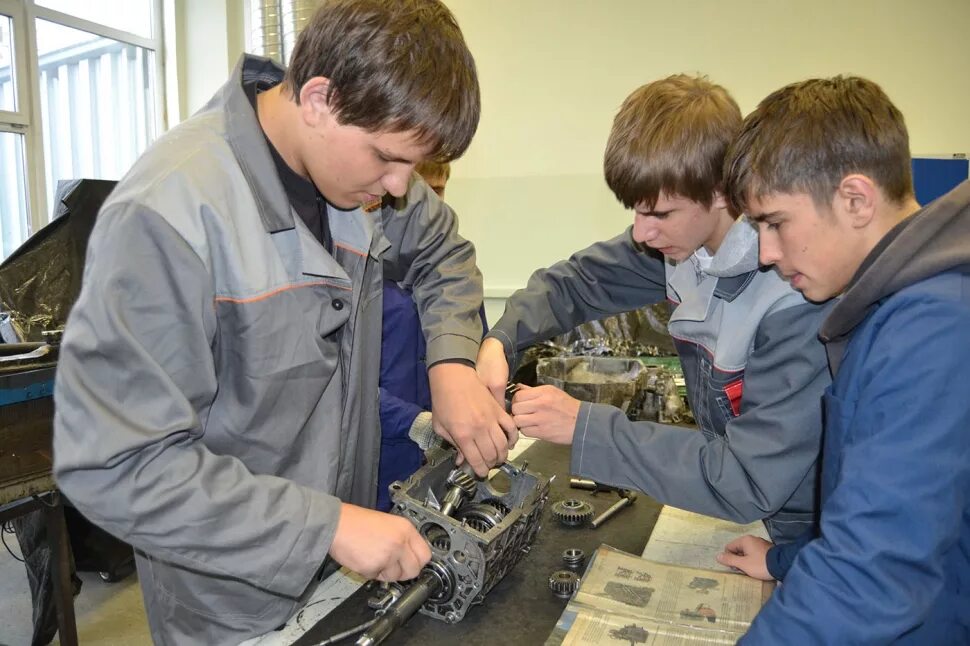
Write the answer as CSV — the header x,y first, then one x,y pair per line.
x,y
61,562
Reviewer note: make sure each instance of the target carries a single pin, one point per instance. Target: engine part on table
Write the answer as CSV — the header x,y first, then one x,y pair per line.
x,y
641,332
572,512
627,498
563,583
601,380
574,558
661,396
489,527
589,485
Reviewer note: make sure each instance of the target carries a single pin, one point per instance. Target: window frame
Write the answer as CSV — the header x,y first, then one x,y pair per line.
x,y
26,120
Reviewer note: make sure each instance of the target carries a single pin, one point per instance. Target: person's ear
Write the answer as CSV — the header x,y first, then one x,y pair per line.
x,y
314,104
856,197
719,201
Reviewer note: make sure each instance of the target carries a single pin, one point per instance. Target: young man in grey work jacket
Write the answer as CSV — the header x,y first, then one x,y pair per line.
x,y
754,368
218,382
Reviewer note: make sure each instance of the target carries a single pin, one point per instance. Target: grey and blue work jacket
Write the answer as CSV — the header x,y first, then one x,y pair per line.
x,y
217,390
754,367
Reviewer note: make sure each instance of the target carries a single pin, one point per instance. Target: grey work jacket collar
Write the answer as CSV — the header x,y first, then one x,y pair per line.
x,y
732,269
248,143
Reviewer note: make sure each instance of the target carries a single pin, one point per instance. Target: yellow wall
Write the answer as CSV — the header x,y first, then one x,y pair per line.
x,y
553,73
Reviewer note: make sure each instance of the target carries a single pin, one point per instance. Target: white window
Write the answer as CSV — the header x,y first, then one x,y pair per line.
x,y
80,97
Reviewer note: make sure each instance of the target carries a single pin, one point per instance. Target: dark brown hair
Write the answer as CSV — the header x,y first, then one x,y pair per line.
x,y
807,136
393,66
670,137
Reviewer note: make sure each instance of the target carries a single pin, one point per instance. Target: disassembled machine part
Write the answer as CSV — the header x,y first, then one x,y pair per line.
x,y
477,533
589,485
563,583
572,512
627,498
574,558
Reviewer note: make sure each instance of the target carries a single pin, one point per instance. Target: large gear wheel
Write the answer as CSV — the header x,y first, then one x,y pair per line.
x,y
572,512
563,583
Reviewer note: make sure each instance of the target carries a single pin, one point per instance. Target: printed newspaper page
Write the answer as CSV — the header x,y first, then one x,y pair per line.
x,y
627,599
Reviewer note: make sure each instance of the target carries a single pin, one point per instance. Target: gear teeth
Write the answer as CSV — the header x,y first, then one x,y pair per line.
x,y
563,583
572,512
497,505
462,480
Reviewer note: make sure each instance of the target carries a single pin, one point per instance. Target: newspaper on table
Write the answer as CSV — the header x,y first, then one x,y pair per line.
x,y
625,599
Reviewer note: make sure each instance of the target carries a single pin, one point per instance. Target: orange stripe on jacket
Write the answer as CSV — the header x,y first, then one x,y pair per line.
x,y
284,288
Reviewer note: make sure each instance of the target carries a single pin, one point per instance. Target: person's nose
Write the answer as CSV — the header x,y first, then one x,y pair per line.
x,y
396,181
769,252
644,231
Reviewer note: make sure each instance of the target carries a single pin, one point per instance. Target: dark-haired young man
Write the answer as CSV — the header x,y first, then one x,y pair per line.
x,y
754,368
823,167
217,387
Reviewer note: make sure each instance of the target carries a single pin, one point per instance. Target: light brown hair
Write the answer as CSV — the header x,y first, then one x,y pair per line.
x,y
397,66
430,169
670,137
807,136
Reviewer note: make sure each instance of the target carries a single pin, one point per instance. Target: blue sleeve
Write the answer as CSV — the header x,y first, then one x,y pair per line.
x,y
901,464
397,415
781,557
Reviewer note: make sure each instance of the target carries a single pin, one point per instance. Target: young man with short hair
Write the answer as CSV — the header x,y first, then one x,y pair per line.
x,y
823,168
218,382
754,368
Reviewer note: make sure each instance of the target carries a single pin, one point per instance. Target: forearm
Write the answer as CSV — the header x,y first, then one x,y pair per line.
x,y
429,257
674,465
606,278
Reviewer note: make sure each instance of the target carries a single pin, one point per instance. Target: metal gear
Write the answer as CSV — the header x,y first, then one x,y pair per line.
x,y
574,558
572,512
563,583
463,481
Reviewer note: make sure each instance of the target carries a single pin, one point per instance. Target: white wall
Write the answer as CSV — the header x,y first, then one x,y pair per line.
x,y
553,73
208,37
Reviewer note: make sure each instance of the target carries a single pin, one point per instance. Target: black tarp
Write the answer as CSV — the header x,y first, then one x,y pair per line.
x,y
40,281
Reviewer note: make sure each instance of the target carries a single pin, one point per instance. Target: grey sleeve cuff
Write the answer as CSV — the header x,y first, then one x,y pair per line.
x,y
422,432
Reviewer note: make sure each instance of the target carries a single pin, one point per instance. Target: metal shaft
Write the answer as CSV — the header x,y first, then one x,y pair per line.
x,y
626,500
410,602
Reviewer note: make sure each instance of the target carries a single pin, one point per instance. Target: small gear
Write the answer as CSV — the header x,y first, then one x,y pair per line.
x,y
563,583
574,558
572,512
463,481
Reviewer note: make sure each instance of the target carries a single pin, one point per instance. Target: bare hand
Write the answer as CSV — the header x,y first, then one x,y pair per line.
x,y
748,554
464,413
378,545
545,412
493,369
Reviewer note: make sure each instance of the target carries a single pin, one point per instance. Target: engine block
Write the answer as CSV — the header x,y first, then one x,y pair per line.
x,y
478,529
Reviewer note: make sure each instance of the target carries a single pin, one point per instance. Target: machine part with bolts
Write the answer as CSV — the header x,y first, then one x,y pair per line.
x,y
489,527
563,583
574,558
627,498
572,512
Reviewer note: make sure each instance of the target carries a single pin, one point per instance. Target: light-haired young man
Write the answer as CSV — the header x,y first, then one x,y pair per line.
x,y
754,368
823,168
217,387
